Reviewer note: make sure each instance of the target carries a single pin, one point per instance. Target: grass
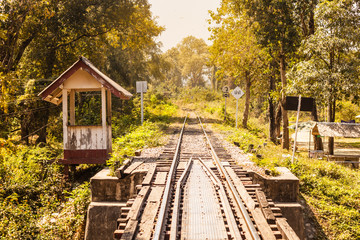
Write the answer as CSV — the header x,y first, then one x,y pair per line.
x,y
332,191
35,202
145,136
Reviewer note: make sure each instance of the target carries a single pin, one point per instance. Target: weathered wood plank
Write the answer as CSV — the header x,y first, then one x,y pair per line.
x,y
262,225
286,231
160,178
146,224
132,167
150,175
130,230
138,204
249,202
265,207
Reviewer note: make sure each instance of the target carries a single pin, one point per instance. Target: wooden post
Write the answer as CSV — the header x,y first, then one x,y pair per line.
x,y
296,129
103,115
72,107
108,107
109,119
65,116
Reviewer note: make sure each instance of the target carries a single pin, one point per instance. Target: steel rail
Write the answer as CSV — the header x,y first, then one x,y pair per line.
x,y
212,176
176,208
249,224
164,204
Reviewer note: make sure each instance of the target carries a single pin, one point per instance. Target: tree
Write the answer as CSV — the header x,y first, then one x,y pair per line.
x,y
236,52
193,56
279,33
172,67
329,70
40,39
187,62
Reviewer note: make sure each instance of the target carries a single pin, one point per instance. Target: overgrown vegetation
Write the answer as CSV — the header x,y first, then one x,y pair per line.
x,y
270,49
331,190
145,136
36,202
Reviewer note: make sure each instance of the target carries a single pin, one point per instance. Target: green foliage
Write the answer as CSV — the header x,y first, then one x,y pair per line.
x,y
241,136
331,190
145,136
346,110
40,39
329,69
156,109
34,202
187,62
88,111
235,50
69,222
198,95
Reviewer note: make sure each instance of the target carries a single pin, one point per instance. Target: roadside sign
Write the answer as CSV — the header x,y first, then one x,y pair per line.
x,y
237,93
226,94
225,89
141,86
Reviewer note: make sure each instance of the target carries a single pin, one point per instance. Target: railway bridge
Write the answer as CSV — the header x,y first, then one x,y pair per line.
x,y
194,190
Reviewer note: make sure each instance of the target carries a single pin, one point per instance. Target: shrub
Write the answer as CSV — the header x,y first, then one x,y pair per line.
x,y
147,135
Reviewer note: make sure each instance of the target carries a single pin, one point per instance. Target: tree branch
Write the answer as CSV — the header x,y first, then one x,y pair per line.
x,y
80,37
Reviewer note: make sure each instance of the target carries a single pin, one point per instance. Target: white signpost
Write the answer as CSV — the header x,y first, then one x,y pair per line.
x,y
141,87
237,93
226,94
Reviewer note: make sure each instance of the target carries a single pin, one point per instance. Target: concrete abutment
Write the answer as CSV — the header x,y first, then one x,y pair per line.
x,y
108,195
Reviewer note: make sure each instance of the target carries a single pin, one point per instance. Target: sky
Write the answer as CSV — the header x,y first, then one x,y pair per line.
x,y
182,18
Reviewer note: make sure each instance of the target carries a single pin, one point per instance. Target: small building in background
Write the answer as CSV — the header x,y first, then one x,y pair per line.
x,y
84,144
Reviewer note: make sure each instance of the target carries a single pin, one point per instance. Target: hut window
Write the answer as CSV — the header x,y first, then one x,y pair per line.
x,y
88,108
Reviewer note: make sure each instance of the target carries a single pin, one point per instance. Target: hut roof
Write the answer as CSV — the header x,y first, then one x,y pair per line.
x,y
53,93
304,125
330,129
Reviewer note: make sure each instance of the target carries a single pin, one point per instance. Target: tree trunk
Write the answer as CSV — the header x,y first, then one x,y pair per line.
x,y
247,99
331,118
272,133
311,22
278,115
213,78
44,120
272,120
285,136
24,127
318,145
332,102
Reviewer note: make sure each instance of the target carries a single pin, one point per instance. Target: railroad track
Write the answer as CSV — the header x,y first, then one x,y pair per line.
x,y
195,191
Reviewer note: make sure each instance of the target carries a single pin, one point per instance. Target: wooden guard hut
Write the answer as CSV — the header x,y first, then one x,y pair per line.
x,y
84,144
